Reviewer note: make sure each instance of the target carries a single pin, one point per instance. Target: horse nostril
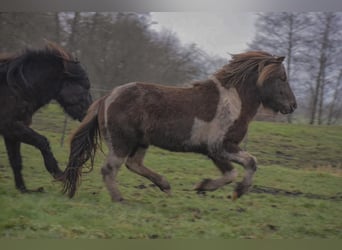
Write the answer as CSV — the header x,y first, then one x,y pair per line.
x,y
293,106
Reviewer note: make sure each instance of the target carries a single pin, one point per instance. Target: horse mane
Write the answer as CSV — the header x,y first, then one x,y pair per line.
x,y
50,48
58,51
6,57
13,65
243,65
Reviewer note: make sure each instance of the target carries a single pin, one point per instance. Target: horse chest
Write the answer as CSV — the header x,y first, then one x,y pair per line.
x,y
211,133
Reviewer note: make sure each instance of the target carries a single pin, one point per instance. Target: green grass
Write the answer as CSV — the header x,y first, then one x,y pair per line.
x,y
291,157
297,145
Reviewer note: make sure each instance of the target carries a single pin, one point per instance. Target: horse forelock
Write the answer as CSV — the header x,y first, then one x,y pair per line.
x,y
72,67
273,69
58,51
241,66
49,57
6,57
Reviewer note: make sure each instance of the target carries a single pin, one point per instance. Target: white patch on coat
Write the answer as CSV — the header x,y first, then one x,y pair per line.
x,y
112,97
228,110
108,101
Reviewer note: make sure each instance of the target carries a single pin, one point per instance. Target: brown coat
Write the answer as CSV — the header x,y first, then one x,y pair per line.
x,y
211,117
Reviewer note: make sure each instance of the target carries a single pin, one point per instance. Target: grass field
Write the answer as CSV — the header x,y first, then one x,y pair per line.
x,y
297,192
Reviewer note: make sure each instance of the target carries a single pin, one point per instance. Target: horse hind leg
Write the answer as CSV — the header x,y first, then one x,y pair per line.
x,y
109,172
135,163
228,172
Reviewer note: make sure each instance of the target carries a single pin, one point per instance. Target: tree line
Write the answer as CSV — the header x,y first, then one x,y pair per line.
x,y
115,48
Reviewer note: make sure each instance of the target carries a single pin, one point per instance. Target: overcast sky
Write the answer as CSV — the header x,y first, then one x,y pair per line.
x,y
218,33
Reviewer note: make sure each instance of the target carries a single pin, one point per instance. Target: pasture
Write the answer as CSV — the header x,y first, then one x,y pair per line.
x,y
297,192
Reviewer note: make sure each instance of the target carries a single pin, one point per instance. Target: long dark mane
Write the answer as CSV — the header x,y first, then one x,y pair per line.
x,y
13,65
243,65
5,58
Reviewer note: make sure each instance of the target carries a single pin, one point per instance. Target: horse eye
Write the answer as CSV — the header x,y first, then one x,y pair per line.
x,y
283,77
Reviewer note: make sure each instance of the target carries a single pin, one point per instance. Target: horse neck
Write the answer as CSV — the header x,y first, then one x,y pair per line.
x,y
250,98
38,80
46,94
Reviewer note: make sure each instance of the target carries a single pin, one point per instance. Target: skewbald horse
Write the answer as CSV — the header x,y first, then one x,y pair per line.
x,y
211,117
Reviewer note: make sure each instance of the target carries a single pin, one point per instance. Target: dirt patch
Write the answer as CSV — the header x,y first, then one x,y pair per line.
x,y
277,191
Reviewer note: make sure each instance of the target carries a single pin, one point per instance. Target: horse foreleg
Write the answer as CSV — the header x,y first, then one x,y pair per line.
x,y
13,151
109,172
249,163
135,164
228,172
27,135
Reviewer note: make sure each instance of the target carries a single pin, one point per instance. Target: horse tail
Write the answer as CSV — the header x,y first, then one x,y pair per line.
x,y
84,143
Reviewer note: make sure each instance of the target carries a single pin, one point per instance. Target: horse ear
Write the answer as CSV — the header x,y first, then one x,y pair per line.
x,y
280,58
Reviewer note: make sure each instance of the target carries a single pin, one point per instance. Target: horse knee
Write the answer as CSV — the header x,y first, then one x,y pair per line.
x,y
106,170
130,164
244,158
252,163
44,145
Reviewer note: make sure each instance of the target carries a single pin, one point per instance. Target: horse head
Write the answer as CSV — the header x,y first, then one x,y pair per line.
x,y
74,95
274,88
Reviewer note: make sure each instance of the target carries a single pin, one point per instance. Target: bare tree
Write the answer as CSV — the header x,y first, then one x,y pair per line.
x,y
280,33
121,47
312,43
335,106
321,55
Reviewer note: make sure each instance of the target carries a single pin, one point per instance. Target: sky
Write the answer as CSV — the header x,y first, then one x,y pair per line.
x,y
217,33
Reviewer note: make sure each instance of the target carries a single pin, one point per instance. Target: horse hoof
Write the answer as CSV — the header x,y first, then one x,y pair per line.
x,y
24,190
28,191
119,200
235,196
201,187
167,191
59,177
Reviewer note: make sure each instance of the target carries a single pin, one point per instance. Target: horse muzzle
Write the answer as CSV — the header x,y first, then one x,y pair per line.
x,y
289,109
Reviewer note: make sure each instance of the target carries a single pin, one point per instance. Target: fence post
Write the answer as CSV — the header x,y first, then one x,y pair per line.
x,y
64,129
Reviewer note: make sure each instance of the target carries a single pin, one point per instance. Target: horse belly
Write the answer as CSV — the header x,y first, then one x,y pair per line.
x,y
168,134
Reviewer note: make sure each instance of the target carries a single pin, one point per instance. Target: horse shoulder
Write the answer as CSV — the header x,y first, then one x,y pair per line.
x,y
227,112
230,104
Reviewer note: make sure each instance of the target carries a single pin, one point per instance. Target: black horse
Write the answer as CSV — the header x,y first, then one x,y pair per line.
x,y
28,81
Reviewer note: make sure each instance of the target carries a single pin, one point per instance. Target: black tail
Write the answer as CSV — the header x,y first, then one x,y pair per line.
x,y
83,146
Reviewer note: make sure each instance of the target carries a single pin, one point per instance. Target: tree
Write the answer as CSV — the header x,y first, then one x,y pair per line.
x,y
324,50
114,47
279,34
26,29
121,47
335,105
312,43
